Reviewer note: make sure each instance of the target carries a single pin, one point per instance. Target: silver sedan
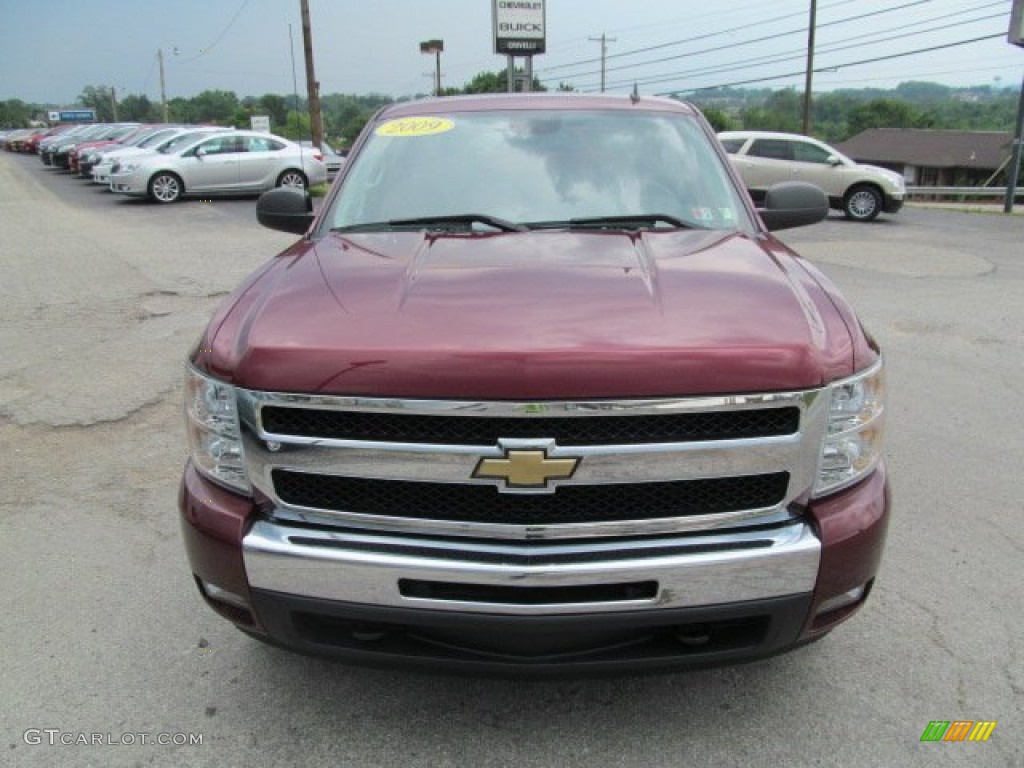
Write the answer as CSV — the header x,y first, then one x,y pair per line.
x,y
228,163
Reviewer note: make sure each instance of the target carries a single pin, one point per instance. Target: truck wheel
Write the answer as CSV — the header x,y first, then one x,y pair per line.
x,y
862,203
292,178
165,188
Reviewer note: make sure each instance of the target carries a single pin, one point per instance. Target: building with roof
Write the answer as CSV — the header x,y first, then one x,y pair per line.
x,y
935,158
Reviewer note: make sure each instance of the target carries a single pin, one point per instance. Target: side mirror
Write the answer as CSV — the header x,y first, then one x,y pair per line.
x,y
834,161
793,204
286,210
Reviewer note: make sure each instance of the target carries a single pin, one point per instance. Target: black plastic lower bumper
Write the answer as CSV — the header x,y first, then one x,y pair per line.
x,y
527,646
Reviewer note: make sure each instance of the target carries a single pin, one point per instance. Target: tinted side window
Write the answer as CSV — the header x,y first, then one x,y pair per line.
x,y
776,149
223,145
732,146
263,144
810,153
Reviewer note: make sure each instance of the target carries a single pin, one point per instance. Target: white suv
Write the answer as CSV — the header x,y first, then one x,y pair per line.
x,y
860,191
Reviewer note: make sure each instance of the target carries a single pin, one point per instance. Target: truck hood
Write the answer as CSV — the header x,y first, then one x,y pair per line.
x,y
544,314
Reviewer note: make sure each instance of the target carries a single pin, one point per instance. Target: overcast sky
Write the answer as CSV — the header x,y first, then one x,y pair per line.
x,y
51,49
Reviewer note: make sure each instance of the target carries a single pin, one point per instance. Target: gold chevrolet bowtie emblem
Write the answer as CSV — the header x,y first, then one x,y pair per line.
x,y
525,469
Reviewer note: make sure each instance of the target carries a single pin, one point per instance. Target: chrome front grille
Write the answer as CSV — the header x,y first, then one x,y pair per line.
x,y
643,467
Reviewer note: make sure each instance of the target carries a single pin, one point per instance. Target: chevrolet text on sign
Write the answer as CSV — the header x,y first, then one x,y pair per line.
x,y
519,27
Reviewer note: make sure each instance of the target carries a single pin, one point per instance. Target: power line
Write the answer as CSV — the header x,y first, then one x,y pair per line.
x,y
791,55
220,37
705,36
929,73
799,73
145,83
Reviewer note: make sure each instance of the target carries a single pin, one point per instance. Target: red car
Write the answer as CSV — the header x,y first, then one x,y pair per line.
x,y
117,135
536,392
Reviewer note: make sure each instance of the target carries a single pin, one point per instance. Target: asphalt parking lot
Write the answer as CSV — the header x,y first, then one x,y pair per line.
x,y
103,632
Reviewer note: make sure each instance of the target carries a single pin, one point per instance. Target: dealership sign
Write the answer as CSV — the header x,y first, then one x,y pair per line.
x,y
519,27
73,116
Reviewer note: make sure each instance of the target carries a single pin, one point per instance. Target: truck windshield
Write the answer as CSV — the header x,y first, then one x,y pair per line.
x,y
540,169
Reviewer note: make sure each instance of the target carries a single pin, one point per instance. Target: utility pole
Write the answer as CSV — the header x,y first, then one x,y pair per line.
x,y
163,88
603,40
113,100
1014,170
810,67
312,86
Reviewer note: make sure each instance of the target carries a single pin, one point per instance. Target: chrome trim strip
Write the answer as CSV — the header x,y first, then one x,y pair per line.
x,y
315,563
637,527
528,409
600,465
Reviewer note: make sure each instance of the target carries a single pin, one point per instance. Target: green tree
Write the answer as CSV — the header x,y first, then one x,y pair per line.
x,y
214,107
884,113
138,108
276,107
180,110
781,111
296,126
14,113
98,97
496,82
719,120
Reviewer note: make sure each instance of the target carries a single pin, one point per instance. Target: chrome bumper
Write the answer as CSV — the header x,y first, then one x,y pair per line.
x,y
689,571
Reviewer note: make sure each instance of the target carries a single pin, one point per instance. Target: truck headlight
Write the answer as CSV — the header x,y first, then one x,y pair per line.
x,y
852,446
214,435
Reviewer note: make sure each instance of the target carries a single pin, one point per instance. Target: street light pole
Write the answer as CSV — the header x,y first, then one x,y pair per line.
x,y
435,47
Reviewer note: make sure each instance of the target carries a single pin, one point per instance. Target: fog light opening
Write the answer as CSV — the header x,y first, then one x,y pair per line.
x,y
693,635
843,600
220,595
231,606
367,633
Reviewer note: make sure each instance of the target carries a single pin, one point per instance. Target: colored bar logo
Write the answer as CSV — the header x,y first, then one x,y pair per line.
x,y
958,730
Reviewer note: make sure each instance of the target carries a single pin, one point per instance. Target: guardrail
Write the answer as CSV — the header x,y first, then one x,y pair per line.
x,y
961,191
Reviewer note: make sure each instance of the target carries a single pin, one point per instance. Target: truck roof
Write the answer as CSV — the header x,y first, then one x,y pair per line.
x,y
562,101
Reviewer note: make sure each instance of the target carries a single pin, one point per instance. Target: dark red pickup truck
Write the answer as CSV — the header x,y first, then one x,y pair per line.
x,y
536,392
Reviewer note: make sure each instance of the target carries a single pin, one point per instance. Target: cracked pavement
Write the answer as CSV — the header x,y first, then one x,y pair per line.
x,y
103,631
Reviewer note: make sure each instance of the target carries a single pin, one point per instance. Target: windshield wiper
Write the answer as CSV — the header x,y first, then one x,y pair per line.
x,y
435,222
634,221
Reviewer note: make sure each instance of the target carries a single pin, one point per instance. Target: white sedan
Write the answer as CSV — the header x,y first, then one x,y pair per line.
x,y
228,163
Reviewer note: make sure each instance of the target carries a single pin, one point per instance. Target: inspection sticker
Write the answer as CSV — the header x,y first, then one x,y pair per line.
x,y
415,126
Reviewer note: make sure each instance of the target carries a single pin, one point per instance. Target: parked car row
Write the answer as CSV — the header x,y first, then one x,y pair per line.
x,y
20,139
167,162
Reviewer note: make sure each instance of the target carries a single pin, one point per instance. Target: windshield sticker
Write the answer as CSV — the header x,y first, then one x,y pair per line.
x,y
415,126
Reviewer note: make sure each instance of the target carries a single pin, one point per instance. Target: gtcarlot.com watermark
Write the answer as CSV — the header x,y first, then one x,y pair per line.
x,y
57,737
